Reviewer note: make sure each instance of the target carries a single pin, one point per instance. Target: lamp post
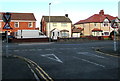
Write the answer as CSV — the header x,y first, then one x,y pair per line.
x,y
49,24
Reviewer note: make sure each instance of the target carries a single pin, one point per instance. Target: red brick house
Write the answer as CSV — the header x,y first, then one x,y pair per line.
x,y
19,21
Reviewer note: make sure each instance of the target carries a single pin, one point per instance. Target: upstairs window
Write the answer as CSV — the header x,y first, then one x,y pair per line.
x,y
54,24
95,24
16,24
64,24
105,24
30,24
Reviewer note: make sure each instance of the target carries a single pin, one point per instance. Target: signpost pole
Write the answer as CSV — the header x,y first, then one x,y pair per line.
x,y
115,49
7,45
6,18
114,24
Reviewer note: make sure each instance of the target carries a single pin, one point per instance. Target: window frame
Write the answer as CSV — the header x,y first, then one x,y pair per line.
x,y
54,24
95,24
63,24
30,24
16,24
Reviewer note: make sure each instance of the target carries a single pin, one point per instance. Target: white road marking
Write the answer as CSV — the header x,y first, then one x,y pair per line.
x,y
16,50
24,50
90,62
39,49
52,58
90,54
48,49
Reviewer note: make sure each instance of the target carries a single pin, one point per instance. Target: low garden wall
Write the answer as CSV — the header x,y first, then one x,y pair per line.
x,y
29,40
87,38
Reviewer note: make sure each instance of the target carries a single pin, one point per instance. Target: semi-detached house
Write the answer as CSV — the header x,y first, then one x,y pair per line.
x,y
96,25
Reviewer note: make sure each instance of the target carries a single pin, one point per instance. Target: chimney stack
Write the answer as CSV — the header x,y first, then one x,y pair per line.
x,y
66,15
101,12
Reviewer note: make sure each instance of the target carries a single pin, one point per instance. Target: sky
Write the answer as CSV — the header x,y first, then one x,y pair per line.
x,y
76,9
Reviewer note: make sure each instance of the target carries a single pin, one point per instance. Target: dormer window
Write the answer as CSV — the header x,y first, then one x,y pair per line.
x,y
106,23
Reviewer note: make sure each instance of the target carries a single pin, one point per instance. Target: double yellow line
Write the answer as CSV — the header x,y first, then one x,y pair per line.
x,y
37,69
108,54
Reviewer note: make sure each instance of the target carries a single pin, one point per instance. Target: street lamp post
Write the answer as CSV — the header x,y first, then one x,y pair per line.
x,y
49,24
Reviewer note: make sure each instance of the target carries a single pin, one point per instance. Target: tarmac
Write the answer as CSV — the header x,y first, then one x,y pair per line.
x,y
16,69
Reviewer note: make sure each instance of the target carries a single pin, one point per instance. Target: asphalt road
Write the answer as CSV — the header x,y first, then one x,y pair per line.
x,y
70,60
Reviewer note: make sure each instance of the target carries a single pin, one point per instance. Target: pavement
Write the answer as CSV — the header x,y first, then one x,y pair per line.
x,y
110,50
15,69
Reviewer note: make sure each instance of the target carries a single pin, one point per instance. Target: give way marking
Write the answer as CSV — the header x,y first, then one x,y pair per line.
x,y
52,57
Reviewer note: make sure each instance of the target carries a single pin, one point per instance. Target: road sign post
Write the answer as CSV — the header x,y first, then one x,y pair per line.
x,y
114,24
7,18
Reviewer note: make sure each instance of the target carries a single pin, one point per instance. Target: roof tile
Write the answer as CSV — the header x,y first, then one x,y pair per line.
x,y
21,16
97,18
57,19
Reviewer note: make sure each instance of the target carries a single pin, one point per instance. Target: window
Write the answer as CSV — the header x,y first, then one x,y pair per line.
x,y
95,24
16,24
97,33
30,24
54,24
64,24
105,24
106,33
65,34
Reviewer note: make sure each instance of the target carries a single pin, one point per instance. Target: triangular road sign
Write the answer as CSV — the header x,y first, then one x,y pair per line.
x,y
7,26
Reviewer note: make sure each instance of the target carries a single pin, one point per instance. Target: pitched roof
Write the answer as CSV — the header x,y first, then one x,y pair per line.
x,y
77,30
96,29
57,19
97,18
21,16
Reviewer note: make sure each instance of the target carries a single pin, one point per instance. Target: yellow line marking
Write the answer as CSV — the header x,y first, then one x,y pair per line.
x,y
42,74
38,68
45,73
42,70
108,54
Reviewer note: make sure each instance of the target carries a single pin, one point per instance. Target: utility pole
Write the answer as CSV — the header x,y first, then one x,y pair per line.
x,y
49,24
